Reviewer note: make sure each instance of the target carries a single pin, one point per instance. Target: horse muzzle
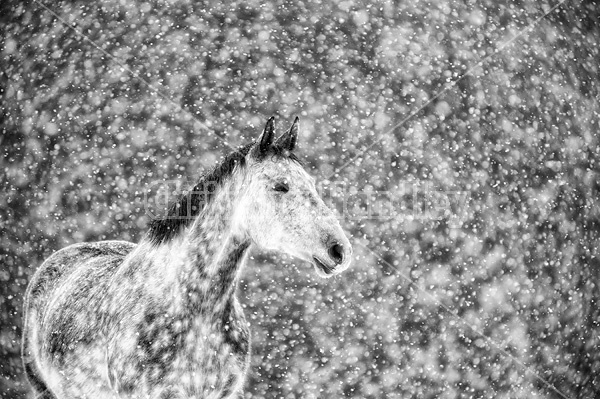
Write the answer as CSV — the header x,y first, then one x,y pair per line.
x,y
336,260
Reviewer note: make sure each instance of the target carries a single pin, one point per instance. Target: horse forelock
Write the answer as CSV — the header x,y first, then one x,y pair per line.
x,y
188,206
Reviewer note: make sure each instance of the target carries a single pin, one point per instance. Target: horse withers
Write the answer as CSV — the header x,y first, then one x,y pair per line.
x,y
161,319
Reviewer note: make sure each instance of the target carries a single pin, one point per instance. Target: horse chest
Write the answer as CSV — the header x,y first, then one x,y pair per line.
x,y
202,357
212,362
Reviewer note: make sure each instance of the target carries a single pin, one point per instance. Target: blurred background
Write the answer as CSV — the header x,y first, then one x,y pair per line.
x,y
101,99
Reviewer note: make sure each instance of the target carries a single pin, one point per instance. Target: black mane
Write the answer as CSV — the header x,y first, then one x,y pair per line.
x,y
182,212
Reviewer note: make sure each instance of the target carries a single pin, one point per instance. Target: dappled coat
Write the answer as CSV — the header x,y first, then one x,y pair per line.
x,y
161,318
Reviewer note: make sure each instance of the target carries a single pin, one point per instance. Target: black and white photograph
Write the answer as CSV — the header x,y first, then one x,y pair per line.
x,y
387,199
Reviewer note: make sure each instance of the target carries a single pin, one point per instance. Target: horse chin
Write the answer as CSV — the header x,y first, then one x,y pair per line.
x,y
322,269
321,273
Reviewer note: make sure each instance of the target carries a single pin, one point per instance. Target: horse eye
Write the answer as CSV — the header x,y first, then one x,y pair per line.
x,y
281,187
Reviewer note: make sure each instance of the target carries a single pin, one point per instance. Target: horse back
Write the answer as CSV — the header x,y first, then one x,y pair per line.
x,y
60,265
63,302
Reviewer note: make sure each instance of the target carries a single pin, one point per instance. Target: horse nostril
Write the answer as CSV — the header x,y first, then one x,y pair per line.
x,y
336,252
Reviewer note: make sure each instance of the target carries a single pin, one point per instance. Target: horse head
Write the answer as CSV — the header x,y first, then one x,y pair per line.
x,y
281,210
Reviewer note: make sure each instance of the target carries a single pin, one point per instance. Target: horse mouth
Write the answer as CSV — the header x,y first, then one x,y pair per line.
x,y
326,269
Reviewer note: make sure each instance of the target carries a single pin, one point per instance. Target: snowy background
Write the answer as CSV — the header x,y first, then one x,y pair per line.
x,y
496,297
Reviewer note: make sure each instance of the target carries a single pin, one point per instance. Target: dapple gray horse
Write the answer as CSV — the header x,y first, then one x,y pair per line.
x,y
160,319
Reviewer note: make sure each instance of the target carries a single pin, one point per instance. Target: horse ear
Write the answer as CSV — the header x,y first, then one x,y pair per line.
x,y
265,141
289,139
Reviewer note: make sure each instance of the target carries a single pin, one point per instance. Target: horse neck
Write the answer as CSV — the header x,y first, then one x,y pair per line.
x,y
199,268
217,253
